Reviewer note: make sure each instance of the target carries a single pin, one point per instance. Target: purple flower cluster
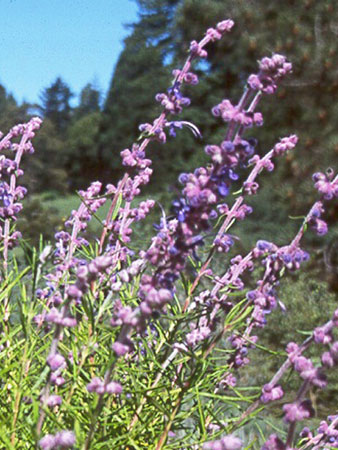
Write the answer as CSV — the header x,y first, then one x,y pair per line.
x,y
86,274
302,408
62,439
199,332
11,194
62,318
202,191
229,442
212,34
274,443
100,387
298,411
271,71
136,159
326,184
271,393
122,228
326,436
10,200
264,300
78,222
228,112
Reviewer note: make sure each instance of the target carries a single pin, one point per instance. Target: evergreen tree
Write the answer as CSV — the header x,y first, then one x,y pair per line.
x,y
90,99
55,104
10,111
140,73
83,163
47,170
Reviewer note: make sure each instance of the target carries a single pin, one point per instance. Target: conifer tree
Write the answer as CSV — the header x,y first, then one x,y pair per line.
x,y
90,99
55,104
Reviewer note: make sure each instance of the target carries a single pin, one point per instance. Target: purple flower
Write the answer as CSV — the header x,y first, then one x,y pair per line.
x,y
321,227
322,335
285,144
301,364
48,442
74,292
271,393
229,442
198,334
120,349
274,443
96,385
197,50
114,388
295,412
225,26
327,360
325,184
306,433
55,361
56,379
65,439
255,83
53,400
229,380
224,243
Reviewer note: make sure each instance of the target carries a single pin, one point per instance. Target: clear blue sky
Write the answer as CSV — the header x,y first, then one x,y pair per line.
x,y
79,40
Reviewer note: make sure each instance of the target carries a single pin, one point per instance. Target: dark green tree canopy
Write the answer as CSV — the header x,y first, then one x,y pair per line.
x,y
90,100
55,103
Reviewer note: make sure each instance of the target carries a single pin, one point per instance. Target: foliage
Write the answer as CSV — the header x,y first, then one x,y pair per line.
x,y
83,161
55,104
90,99
111,342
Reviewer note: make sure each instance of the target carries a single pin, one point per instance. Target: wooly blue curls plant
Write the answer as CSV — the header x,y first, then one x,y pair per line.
x,y
105,346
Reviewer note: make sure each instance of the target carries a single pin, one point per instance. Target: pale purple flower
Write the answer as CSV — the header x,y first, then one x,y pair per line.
x,y
96,385
323,335
274,443
298,411
271,393
120,349
48,442
55,361
65,439
114,388
229,442
53,400
327,360
225,26
73,291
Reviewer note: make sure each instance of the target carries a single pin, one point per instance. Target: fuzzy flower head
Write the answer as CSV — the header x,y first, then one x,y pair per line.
x,y
295,412
272,70
62,439
229,442
326,184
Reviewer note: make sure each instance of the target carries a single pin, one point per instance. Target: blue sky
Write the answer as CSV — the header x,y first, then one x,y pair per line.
x,y
79,40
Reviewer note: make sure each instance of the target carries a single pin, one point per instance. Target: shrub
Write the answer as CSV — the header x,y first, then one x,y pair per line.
x,y
105,345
